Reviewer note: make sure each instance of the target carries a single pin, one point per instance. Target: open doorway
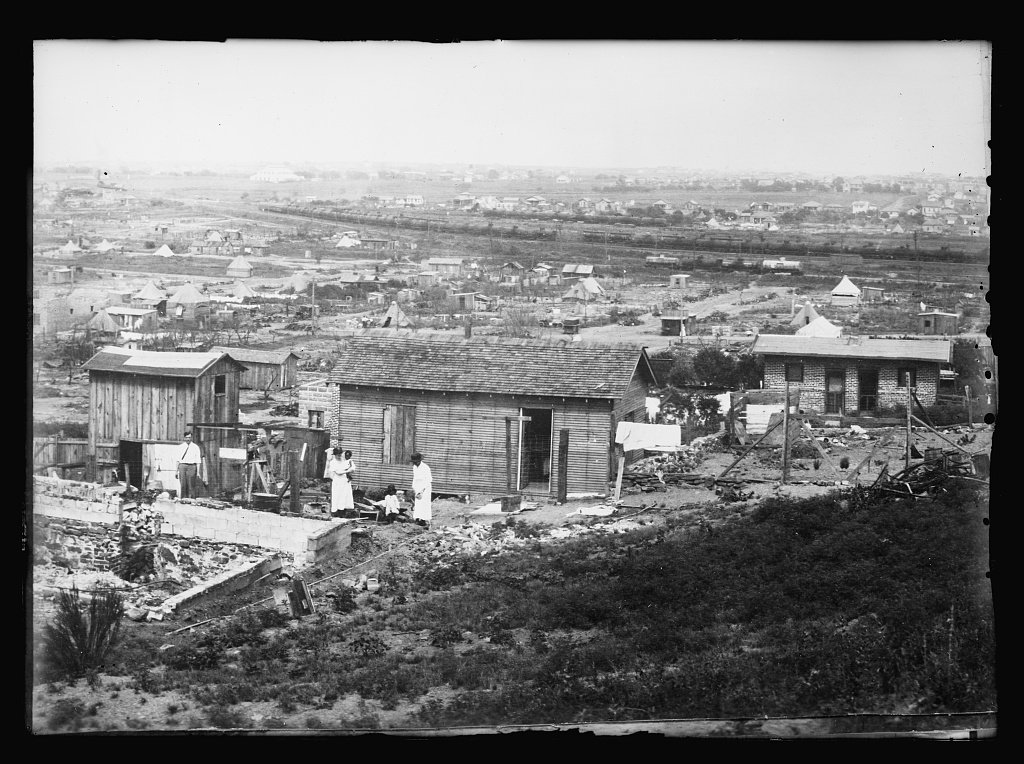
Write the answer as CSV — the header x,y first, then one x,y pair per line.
x,y
130,454
535,451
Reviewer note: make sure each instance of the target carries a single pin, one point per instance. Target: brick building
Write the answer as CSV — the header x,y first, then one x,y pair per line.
x,y
845,374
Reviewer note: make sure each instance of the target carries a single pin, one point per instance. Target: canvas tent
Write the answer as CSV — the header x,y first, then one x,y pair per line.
x,y
103,323
243,290
805,315
299,282
164,251
188,302
70,247
240,267
105,246
845,293
819,327
585,290
346,242
395,318
150,293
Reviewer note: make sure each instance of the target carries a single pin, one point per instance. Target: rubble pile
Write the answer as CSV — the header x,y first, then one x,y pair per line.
x,y
475,539
656,472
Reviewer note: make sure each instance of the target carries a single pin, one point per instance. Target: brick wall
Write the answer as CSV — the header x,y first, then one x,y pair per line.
x,y
321,397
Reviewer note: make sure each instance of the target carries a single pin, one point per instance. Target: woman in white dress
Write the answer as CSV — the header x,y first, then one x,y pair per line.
x,y
339,470
422,485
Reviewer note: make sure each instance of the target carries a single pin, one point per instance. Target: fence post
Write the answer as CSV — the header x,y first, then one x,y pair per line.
x,y
295,478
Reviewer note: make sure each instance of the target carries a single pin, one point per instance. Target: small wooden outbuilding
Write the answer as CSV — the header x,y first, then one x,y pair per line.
x,y
138,397
265,369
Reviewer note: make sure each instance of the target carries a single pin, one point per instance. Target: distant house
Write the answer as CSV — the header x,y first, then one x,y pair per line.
x,y
840,375
932,208
447,399
678,280
939,322
446,266
264,369
134,319
811,206
872,294
606,206
583,205
577,270
860,207
60,276
376,298
563,179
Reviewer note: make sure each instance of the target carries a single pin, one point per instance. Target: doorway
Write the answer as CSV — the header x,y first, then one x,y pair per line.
x,y
835,391
867,382
535,451
130,455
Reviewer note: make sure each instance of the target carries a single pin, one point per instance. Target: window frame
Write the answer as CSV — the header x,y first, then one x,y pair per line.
x,y
906,374
220,384
398,423
319,417
799,365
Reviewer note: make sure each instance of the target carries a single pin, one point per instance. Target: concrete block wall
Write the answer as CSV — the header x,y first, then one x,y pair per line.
x,y
320,397
76,500
307,539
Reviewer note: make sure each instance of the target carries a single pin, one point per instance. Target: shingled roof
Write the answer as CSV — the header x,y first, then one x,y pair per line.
x,y
248,355
936,351
510,367
153,362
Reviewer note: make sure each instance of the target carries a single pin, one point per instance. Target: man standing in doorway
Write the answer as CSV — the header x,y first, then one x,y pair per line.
x,y
188,467
422,484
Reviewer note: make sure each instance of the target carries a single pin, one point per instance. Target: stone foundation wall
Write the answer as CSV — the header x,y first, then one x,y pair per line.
x,y
320,398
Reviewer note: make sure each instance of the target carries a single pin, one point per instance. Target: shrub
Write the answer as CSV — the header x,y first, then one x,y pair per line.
x,y
82,637
225,718
64,712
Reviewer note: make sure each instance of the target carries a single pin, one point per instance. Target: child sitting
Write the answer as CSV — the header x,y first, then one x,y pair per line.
x,y
392,507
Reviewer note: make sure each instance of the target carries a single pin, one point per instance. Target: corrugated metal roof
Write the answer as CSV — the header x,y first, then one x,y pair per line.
x,y
154,362
248,355
938,351
510,367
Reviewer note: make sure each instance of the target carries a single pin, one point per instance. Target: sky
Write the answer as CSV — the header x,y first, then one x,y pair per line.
x,y
816,107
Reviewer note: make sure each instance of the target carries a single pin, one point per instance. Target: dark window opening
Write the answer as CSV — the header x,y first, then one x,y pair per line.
x,y
220,384
794,372
316,419
906,377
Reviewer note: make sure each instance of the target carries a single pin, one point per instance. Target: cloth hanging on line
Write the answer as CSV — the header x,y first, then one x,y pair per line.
x,y
635,435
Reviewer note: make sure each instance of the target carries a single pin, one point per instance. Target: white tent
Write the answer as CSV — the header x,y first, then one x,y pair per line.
x,y
105,246
713,223
805,315
845,288
243,290
395,318
150,292
345,242
584,289
70,247
819,327
164,251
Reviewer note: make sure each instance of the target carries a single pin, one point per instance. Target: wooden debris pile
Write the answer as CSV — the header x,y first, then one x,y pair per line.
x,y
927,478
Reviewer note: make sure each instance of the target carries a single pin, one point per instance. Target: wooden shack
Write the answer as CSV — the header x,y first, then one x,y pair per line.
x,y
265,369
189,304
939,322
449,398
138,397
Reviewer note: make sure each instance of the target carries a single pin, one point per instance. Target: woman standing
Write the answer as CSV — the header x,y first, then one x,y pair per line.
x,y
422,485
339,470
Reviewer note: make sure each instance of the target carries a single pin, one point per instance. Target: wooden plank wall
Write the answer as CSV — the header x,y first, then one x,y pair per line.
x,y
632,408
462,438
138,407
47,451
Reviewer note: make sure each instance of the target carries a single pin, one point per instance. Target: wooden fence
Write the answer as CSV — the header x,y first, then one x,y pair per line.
x,y
69,454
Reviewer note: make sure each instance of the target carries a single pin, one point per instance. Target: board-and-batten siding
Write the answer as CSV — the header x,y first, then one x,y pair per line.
x,y
260,376
152,407
465,450
632,408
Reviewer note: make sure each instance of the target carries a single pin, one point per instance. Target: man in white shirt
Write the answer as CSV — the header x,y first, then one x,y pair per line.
x,y
188,467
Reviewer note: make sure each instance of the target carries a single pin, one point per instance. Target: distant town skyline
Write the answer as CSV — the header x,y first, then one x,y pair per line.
x,y
765,108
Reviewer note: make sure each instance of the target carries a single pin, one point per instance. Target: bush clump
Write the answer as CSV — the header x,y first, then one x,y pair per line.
x,y
81,637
